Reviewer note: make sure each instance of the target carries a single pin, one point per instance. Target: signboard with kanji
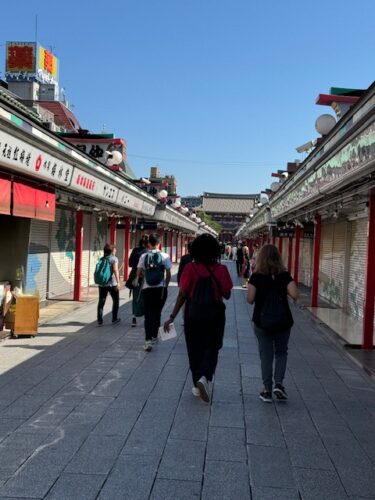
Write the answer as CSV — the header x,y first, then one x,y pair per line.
x,y
92,185
30,61
20,155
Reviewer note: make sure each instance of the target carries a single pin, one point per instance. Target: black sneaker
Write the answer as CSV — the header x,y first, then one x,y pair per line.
x,y
280,392
115,321
100,323
266,396
134,322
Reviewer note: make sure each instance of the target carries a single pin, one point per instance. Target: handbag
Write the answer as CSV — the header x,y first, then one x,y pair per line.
x,y
132,277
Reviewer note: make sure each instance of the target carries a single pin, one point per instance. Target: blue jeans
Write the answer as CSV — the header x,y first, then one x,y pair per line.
x,y
272,346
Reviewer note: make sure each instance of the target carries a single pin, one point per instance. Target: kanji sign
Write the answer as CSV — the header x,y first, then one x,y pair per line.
x,y
89,184
21,57
20,155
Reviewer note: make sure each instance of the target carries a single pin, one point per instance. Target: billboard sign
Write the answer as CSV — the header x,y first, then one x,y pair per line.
x,y
30,61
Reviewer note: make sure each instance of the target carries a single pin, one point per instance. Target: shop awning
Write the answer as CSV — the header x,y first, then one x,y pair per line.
x,y
5,190
33,203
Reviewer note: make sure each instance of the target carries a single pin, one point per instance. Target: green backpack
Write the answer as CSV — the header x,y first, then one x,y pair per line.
x,y
103,272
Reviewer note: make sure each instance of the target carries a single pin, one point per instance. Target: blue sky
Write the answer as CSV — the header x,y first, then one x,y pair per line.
x,y
217,92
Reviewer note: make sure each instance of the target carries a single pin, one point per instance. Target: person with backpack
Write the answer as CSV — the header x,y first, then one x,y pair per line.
x,y
154,268
203,285
107,277
269,288
132,283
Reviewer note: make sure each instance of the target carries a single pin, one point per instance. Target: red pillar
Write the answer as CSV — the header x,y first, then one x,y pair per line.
x,y
316,258
280,245
182,245
368,307
290,251
298,234
273,240
113,230
78,255
126,247
251,247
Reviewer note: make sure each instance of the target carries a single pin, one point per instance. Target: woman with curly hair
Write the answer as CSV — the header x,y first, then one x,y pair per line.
x,y
269,288
203,285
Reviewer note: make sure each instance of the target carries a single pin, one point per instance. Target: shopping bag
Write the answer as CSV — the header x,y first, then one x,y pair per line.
x,y
163,335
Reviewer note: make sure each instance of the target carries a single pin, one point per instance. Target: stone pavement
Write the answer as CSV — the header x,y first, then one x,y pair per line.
x,y
85,414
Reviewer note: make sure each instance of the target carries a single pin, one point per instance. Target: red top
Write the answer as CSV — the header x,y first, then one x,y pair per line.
x,y
193,271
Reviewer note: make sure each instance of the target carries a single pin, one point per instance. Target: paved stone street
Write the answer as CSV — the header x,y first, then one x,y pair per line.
x,y
87,414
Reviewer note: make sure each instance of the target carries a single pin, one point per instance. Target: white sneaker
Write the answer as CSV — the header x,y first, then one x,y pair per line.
x,y
148,346
196,392
202,385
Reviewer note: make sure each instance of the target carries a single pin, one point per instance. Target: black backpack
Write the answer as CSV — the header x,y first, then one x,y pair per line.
x,y
203,307
275,314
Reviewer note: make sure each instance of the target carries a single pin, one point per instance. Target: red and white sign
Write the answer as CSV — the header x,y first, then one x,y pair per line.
x,y
89,184
20,155
127,200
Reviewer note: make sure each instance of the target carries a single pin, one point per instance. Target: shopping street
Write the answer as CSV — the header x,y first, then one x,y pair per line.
x,y
86,413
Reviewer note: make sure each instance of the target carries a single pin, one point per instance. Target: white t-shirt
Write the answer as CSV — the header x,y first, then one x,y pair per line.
x,y
166,263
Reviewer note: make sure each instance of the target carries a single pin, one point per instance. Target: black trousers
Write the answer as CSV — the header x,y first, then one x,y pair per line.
x,y
115,294
203,342
154,300
239,264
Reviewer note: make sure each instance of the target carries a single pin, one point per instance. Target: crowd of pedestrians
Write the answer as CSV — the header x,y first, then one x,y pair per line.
x,y
204,284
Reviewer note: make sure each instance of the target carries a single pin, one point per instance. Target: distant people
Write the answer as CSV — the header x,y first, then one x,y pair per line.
x,y
228,251
253,258
185,259
234,252
154,268
134,284
203,285
269,288
108,278
245,266
239,259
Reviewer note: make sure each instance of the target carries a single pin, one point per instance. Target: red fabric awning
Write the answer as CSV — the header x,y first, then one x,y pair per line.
x,y
5,186
33,203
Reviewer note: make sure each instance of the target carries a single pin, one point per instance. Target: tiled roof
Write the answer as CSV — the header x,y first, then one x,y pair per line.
x,y
11,99
231,204
63,116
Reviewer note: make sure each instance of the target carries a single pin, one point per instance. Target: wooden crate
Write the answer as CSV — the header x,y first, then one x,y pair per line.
x,y
26,315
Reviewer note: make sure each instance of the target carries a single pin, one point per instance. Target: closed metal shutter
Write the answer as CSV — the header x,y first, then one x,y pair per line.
x,y
306,251
86,250
38,258
284,252
338,263
98,238
62,260
325,260
358,256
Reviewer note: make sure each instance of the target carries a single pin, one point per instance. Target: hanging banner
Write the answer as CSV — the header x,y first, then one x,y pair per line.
x,y
32,202
20,155
5,186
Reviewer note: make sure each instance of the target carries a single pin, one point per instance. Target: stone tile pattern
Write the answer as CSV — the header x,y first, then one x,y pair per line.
x,y
85,414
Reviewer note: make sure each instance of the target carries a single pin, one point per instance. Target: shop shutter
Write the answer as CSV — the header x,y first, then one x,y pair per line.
x,y
98,238
284,252
38,258
325,261
86,250
62,260
338,263
306,251
358,257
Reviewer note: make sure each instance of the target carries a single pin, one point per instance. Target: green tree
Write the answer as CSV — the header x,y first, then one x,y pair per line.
x,y
210,222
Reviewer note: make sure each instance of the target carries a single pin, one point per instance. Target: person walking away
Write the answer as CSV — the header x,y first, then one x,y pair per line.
x,y
203,285
185,259
154,267
269,288
239,259
107,277
234,252
136,285
246,267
